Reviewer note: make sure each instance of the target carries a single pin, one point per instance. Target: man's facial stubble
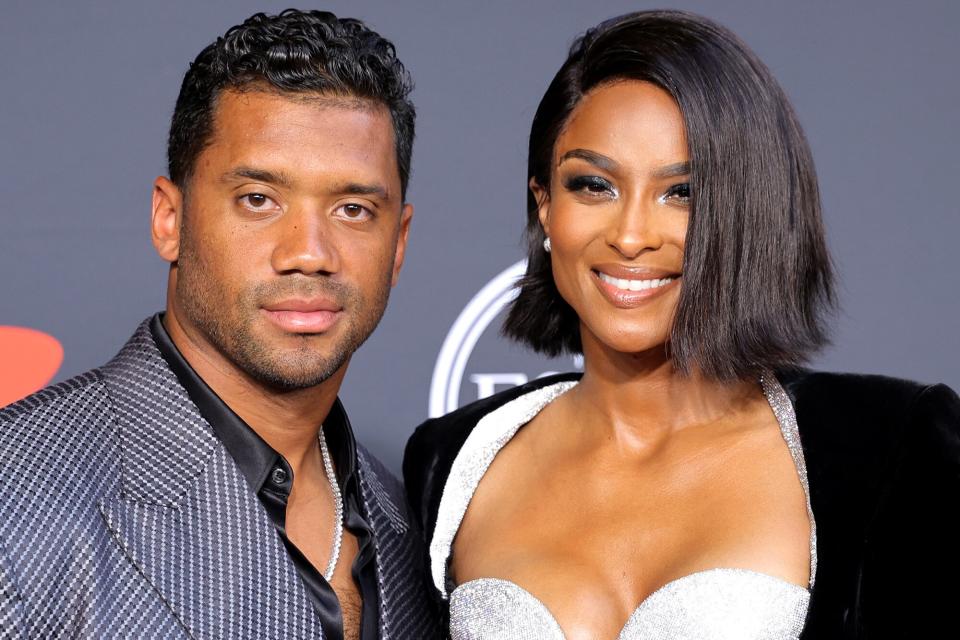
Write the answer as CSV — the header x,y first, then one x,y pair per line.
x,y
229,325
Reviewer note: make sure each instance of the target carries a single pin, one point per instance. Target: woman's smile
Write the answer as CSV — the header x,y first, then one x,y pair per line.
x,y
627,288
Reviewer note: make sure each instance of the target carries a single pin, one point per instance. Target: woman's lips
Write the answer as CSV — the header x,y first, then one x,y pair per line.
x,y
297,316
633,290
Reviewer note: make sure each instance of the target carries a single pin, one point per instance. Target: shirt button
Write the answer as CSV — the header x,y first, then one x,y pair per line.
x,y
278,476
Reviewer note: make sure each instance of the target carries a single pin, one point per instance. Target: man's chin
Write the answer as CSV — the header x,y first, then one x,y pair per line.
x,y
292,377
290,361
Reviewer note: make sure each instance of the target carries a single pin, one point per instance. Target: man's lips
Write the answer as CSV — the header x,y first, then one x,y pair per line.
x,y
303,316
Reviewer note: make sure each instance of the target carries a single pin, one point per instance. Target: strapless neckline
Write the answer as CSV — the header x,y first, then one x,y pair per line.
x,y
718,599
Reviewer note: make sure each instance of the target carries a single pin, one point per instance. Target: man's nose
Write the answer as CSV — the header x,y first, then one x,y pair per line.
x,y
305,244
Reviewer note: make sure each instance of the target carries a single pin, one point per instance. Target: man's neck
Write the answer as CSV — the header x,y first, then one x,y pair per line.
x,y
289,421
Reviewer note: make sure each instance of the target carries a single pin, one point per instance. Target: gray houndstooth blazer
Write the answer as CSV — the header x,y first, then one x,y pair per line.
x,y
122,516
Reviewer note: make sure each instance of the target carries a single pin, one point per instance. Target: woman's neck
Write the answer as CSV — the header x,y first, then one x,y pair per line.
x,y
640,398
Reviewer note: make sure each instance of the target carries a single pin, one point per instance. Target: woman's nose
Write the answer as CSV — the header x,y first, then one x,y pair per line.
x,y
635,229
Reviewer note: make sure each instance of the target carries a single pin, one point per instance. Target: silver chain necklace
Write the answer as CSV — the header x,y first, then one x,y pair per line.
x,y
337,507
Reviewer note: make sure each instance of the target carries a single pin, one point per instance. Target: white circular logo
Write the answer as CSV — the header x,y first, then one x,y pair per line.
x,y
463,336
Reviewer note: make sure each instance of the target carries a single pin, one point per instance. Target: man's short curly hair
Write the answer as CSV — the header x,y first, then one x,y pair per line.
x,y
292,52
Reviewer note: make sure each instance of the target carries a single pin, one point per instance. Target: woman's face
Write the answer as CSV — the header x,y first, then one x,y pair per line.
x,y
617,214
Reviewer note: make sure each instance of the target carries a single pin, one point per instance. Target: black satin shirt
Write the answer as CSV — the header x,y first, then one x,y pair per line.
x,y
271,478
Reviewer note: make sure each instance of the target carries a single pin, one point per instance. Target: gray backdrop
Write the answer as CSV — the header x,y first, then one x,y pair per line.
x,y
88,89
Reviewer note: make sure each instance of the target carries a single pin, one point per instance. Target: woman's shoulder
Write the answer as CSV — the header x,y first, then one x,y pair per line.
x,y
873,414
864,401
434,445
806,383
443,436
862,434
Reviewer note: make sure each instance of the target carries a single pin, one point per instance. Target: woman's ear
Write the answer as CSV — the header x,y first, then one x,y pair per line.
x,y
543,204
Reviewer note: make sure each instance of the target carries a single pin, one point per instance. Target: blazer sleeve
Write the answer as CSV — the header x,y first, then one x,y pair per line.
x,y
910,579
425,466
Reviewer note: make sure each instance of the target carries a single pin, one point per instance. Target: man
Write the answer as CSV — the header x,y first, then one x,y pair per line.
x,y
205,483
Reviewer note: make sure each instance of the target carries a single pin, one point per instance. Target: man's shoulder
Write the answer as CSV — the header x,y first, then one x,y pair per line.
x,y
53,395
52,413
57,449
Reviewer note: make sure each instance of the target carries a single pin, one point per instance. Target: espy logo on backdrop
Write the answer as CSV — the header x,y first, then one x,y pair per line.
x,y
495,364
28,361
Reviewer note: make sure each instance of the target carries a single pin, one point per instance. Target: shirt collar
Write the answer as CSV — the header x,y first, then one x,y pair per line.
x,y
255,458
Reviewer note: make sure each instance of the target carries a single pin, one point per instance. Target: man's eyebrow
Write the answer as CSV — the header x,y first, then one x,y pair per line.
x,y
260,175
282,179
361,189
673,170
594,158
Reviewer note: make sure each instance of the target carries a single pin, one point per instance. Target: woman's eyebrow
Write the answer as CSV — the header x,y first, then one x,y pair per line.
x,y
597,159
673,170
609,164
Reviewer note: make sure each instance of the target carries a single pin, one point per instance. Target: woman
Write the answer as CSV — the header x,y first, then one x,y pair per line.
x,y
694,483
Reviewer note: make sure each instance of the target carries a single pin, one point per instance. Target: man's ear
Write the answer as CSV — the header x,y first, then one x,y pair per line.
x,y
543,204
165,218
406,215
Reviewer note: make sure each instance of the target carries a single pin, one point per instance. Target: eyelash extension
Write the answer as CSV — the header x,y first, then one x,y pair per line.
x,y
681,191
581,183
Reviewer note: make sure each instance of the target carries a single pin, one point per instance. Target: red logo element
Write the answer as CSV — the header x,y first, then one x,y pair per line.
x,y
28,361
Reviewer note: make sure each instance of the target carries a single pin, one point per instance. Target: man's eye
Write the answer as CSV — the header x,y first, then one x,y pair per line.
x,y
257,202
593,185
678,193
354,211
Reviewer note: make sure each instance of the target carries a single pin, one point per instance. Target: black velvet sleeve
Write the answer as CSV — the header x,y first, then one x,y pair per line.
x,y
910,581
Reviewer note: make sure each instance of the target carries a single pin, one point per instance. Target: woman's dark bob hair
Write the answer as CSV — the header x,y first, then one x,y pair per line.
x,y
757,279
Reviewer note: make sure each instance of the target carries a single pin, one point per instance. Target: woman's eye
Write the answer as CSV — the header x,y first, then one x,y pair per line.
x,y
678,193
257,202
354,211
592,185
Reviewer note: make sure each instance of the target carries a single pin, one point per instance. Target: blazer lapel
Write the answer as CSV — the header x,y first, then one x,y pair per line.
x,y
186,517
404,609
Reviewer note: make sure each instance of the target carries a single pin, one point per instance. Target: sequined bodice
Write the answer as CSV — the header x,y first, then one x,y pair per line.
x,y
714,604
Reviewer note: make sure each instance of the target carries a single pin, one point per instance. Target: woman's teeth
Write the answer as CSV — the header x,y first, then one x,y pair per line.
x,y
634,285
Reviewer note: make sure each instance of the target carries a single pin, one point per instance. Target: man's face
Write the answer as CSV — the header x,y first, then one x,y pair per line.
x,y
291,235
